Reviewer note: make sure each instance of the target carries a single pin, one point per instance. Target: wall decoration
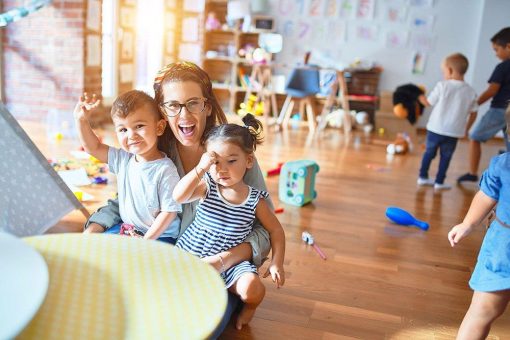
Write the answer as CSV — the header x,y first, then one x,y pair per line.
x,y
366,32
93,50
93,15
418,65
397,39
196,6
316,8
422,3
127,45
126,73
425,22
127,17
170,42
396,14
331,8
422,41
347,9
365,9
190,29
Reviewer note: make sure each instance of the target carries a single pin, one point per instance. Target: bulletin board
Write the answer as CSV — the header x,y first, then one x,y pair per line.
x,y
328,28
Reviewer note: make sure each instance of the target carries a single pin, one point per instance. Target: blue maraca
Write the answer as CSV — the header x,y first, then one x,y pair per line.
x,y
400,216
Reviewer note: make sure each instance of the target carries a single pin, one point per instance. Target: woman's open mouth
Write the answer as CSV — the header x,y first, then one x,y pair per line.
x,y
187,129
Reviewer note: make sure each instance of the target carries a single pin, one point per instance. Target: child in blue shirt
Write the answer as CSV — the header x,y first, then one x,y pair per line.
x,y
146,177
494,119
491,277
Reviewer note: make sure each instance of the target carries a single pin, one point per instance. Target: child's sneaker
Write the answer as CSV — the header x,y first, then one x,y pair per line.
x,y
467,177
442,186
424,181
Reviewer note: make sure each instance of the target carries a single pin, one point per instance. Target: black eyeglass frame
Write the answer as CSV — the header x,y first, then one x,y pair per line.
x,y
181,106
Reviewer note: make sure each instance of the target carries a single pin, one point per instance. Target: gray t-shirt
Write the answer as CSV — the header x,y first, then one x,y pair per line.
x,y
145,189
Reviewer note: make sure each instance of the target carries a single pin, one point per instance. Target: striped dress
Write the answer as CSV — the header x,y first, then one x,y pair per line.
x,y
219,226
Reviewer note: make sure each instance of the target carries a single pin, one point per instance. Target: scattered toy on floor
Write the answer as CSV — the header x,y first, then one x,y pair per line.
x,y
308,238
406,104
275,171
297,182
400,216
278,210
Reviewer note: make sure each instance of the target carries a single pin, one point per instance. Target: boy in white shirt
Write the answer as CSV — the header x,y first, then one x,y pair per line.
x,y
146,177
454,112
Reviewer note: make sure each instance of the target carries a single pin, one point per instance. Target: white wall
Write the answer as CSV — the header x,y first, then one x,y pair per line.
x,y
464,26
495,16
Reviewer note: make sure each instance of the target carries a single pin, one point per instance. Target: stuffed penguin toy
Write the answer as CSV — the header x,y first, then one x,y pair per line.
x,y
406,104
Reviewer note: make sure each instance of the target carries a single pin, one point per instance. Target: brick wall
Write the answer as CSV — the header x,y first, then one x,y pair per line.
x,y
43,55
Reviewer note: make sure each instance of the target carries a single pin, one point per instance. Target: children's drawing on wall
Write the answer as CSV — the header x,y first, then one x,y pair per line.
x,y
424,22
316,8
397,39
396,13
365,9
170,42
366,32
419,59
347,9
331,8
422,41
127,45
422,3
291,7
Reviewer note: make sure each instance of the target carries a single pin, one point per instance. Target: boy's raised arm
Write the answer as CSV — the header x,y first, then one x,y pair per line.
x,y
91,143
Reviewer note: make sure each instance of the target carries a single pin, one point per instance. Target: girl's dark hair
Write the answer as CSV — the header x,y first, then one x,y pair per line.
x,y
185,71
247,137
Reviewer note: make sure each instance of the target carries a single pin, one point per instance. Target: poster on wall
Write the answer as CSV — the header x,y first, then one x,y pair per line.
x,y
397,39
424,22
347,9
126,73
396,14
365,9
422,41
93,15
366,32
331,8
418,64
317,8
93,50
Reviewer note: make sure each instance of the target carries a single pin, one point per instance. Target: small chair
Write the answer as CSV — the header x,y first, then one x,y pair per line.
x,y
303,85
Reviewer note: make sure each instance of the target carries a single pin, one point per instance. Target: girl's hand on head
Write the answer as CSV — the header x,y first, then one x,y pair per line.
x,y
458,232
85,105
277,274
208,159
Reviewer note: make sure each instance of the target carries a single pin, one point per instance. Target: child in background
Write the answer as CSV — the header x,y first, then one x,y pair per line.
x,y
228,208
491,277
494,119
453,114
146,177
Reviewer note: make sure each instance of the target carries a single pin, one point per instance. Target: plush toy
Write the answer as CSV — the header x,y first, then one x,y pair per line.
x,y
400,146
406,104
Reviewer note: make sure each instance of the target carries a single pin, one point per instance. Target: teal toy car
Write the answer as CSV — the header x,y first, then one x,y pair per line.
x,y
297,182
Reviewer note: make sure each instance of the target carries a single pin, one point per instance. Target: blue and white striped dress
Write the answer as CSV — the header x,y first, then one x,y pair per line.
x,y
220,225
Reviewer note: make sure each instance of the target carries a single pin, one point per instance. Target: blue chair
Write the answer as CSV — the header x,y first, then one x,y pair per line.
x,y
302,86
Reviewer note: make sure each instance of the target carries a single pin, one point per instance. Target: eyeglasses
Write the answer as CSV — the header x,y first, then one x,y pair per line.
x,y
173,109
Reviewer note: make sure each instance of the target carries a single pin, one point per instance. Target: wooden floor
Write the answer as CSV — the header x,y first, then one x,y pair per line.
x,y
380,281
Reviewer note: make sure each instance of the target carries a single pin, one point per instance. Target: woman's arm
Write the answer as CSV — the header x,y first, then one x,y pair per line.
x,y
106,216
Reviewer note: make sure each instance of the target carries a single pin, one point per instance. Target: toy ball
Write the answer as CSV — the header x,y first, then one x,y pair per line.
x,y
362,118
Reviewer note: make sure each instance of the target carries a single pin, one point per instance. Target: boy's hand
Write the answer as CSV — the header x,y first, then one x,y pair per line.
x,y
208,159
84,105
458,233
277,274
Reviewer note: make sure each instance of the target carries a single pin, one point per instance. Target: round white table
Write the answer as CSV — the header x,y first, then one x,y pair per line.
x,y
117,287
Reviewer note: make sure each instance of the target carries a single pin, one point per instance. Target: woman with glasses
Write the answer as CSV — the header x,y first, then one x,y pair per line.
x,y
184,94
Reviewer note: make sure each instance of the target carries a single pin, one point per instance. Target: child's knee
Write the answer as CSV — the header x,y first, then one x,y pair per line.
x,y
250,288
488,311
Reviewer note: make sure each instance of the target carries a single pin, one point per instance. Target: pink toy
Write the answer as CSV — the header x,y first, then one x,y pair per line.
x,y
308,238
212,23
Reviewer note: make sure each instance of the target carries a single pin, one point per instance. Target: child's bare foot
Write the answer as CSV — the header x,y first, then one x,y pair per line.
x,y
245,316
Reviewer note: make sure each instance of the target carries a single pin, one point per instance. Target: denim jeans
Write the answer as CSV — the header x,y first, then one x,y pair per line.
x,y
446,146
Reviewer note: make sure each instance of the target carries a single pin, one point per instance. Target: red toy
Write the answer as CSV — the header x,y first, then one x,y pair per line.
x,y
278,210
275,171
